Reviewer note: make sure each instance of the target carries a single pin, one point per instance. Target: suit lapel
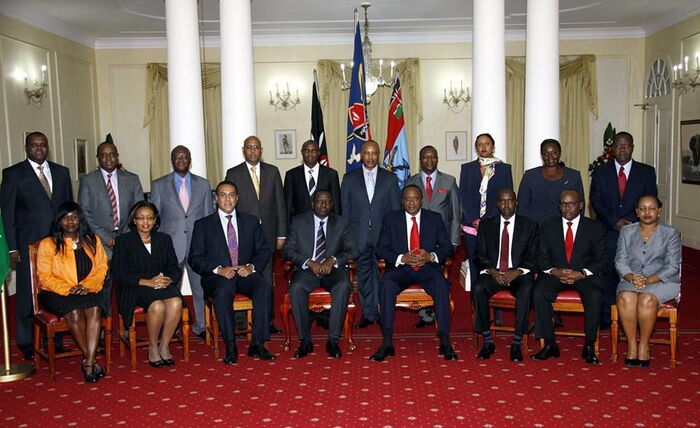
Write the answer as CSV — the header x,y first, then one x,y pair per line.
x,y
35,179
175,190
331,235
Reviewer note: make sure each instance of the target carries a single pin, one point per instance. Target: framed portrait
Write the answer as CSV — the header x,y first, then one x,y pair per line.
x,y
690,151
80,145
286,144
456,145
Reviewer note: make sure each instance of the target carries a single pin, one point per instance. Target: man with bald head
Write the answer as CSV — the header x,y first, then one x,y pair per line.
x,y
260,193
506,254
368,194
183,198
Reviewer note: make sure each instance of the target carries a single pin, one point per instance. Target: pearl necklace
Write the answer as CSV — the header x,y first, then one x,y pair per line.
x,y
75,244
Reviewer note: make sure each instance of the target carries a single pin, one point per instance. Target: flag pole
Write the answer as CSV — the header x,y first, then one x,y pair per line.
x,y
12,372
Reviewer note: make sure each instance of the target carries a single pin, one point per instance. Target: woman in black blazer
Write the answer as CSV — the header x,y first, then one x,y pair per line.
x,y
147,274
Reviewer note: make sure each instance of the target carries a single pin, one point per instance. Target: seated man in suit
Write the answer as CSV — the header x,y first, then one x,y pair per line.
x,y
319,244
507,254
414,245
229,252
573,256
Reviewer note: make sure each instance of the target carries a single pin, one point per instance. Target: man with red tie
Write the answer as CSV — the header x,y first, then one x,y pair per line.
x,y
573,256
415,245
507,252
615,188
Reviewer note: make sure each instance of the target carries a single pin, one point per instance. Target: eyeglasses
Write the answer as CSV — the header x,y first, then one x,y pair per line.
x,y
568,204
309,150
149,218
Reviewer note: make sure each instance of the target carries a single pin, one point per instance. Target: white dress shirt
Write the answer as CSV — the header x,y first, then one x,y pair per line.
x,y
317,223
47,171
574,229
367,173
115,187
409,226
626,167
311,172
257,171
224,228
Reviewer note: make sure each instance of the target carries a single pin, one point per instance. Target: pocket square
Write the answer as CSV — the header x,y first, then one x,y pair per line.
x,y
442,190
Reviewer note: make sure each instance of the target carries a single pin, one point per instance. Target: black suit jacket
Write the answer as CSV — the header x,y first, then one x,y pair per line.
x,y
432,234
301,240
132,262
209,249
589,247
270,208
296,189
524,248
26,209
469,182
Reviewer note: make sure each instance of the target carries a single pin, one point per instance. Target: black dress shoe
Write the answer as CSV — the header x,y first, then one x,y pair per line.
x,y
98,370
364,323
422,323
516,354
448,352
91,377
588,354
28,355
156,364
333,349
202,335
231,354
274,330
487,349
547,352
382,353
631,362
643,363
260,352
305,348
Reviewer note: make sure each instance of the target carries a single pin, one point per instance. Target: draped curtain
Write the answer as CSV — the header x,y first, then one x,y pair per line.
x,y
578,94
156,115
334,102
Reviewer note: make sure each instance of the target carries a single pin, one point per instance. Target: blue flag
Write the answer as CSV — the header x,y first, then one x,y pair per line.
x,y
358,124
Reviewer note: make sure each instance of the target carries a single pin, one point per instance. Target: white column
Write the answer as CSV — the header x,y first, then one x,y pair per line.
x,y
186,113
541,77
237,80
489,73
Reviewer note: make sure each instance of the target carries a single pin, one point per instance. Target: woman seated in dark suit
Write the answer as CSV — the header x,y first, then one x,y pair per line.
x,y
147,274
648,261
72,265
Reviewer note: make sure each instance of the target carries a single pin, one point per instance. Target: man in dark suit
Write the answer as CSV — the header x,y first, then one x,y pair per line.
x,y
229,251
183,198
414,245
30,193
615,188
302,181
368,194
573,256
507,253
319,244
261,194
442,197
107,195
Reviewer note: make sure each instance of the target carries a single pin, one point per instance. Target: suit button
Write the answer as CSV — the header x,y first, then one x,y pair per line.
x,y
185,216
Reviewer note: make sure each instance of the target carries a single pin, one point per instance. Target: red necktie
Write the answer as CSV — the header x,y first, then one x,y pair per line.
x,y
505,243
622,181
569,242
428,188
414,244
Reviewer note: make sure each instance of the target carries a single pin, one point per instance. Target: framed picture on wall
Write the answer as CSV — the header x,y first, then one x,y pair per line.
x,y
80,146
690,151
286,144
456,145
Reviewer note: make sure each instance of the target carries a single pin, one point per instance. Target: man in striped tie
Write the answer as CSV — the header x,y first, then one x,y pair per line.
x,y
319,244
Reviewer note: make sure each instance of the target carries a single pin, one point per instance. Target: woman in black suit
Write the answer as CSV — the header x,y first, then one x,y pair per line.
x,y
147,274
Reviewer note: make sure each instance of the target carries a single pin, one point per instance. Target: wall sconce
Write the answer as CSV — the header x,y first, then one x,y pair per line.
x,y
684,79
35,93
283,100
456,99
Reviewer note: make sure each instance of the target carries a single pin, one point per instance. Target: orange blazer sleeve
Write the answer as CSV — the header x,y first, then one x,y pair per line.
x,y
57,272
96,278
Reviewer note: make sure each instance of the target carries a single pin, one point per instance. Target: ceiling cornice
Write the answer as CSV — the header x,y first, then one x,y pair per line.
x,y
50,25
670,18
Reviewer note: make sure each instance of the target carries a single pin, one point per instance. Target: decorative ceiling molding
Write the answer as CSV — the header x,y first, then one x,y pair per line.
x,y
670,18
50,25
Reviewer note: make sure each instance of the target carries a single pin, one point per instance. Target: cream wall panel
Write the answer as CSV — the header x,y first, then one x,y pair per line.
x,y
613,87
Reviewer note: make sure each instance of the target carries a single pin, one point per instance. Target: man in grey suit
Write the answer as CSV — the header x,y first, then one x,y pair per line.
x,y
442,197
107,194
260,193
183,198
368,194
319,244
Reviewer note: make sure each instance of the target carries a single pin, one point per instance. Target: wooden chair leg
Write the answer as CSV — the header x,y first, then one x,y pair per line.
x,y
108,344
673,332
284,310
349,323
132,343
215,339
207,324
249,320
614,332
186,334
122,348
51,345
37,344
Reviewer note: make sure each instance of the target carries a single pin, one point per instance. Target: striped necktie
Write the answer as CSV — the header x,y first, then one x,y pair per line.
x,y
113,202
320,250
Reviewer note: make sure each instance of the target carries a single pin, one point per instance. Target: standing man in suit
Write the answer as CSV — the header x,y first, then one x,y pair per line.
x,y
183,198
261,194
442,197
107,195
319,244
414,245
573,256
615,189
229,251
30,193
507,253
368,194
302,181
